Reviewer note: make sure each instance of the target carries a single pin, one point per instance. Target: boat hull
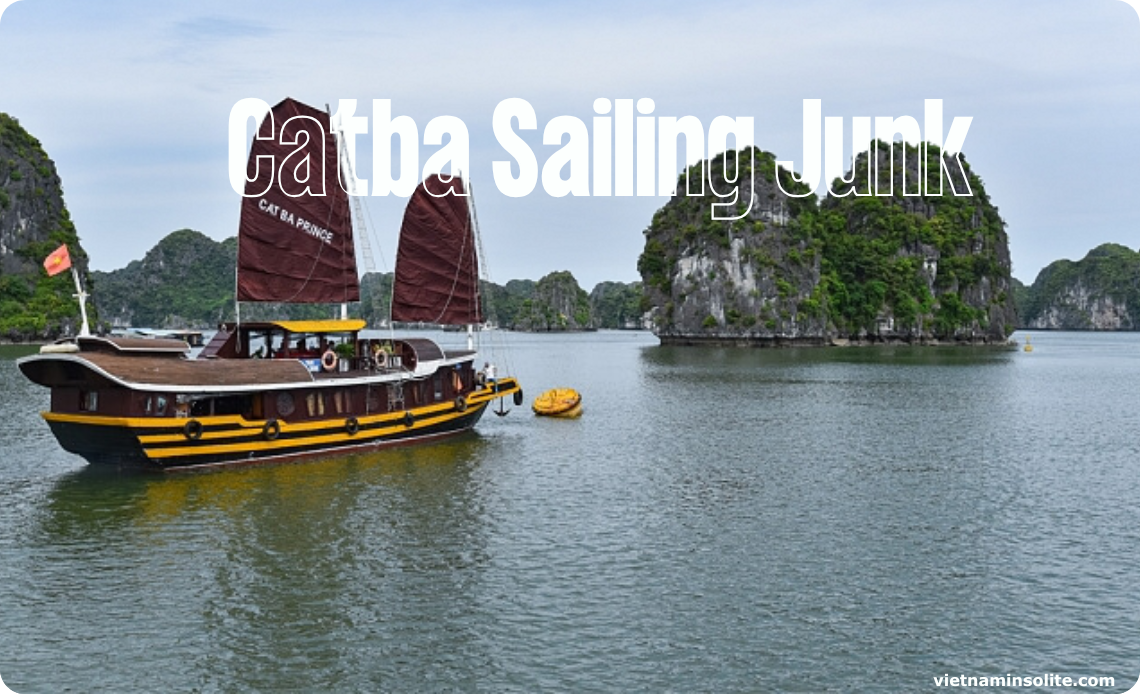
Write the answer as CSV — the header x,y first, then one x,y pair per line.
x,y
118,443
138,403
180,444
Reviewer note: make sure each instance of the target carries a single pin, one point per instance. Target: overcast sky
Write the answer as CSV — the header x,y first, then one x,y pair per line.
x,y
132,99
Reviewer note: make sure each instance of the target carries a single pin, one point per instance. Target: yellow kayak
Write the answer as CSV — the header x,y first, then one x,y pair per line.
x,y
558,402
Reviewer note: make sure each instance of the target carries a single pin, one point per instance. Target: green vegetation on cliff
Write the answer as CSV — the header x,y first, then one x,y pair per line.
x,y
33,222
502,305
187,280
558,303
1099,292
891,266
617,306
918,259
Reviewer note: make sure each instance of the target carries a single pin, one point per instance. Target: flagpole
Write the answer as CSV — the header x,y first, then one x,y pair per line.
x,y
82,296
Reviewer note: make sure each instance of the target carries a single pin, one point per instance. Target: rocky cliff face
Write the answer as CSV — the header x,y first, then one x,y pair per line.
x,y
755,278
33,223
617,306
186,280
941,261
1099,292
558,304
868,268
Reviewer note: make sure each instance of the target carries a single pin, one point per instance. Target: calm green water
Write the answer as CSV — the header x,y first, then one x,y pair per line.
x,y
717,521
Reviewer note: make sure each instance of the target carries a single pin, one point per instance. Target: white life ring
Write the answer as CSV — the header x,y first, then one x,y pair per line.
x,y
380,356
329,361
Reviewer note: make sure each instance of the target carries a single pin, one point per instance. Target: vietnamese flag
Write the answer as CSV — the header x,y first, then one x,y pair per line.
x,y
58,261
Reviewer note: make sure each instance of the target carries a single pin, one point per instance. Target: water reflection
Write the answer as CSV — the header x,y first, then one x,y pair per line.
x,y
288,559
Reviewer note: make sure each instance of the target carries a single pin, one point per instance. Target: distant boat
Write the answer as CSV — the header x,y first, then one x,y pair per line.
x,y
194,338
271,391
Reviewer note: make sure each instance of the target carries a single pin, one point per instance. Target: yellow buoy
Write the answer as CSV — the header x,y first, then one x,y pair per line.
x,y
558,402
1028,347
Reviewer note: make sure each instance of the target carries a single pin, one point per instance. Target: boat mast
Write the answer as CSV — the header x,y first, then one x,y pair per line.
x,y
474,233
82,296
356,220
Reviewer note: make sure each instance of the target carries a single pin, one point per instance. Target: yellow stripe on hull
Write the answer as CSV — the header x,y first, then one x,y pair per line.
x,y
327,439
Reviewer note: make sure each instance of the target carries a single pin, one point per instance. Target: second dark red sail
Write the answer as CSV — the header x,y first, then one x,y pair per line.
x,y
437,267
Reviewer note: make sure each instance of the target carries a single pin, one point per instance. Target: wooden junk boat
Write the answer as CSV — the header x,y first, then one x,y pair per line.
x,y
272,391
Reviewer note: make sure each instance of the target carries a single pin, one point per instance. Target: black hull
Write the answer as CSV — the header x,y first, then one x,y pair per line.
x,y
119,446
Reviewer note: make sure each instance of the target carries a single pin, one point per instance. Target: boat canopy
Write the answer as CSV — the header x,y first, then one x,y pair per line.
x,y
313,326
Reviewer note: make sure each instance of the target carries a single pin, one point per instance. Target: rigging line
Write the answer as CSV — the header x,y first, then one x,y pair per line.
x,y
485,267
237,306
373,228
312,268
346,172
342,187
392,294
328,218
459,265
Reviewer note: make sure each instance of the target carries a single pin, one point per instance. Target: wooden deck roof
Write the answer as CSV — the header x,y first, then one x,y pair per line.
x,y
200,372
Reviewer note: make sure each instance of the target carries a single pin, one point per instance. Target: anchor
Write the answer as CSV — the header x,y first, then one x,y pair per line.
x,y
503,411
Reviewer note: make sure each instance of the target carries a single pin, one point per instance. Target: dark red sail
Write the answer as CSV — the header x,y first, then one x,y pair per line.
x,y
295,238
437,268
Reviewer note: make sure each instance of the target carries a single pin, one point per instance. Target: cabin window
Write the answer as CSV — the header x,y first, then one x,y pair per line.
x,y
230,405
160,405
89,400
437,383
285,404
340,400
148,405
315,404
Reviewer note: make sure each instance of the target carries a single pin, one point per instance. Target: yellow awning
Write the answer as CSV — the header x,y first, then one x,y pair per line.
x,y
321,326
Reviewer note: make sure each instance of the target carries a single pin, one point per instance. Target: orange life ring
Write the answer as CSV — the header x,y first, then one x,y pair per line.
x,y
329,360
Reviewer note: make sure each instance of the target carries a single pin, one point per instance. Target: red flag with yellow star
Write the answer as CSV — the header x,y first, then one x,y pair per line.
x,y
58,261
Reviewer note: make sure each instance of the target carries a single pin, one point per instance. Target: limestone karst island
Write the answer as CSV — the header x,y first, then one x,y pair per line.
x,y
863,268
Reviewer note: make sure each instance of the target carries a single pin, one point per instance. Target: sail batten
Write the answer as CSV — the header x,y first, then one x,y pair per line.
x,y
437,266
295,240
